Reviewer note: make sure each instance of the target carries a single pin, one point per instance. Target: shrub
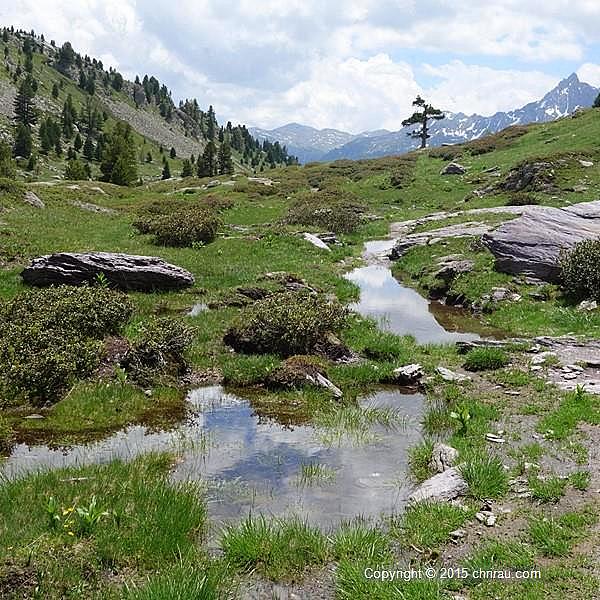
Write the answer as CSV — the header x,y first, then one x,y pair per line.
x,y
522,199
579,273
485,359
286,324
294,372
158,350
185,227
52,336
330,209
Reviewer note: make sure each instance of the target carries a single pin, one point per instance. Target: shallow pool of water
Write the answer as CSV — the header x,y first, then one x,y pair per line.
x,y
250,464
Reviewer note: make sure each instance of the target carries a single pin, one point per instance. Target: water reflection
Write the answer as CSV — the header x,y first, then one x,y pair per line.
x,y
250,464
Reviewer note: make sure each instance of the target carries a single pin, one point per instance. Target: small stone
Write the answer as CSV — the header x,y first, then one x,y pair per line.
x,y
588,305
148,393
586,163
458,533
541,357
536,368
512,393
570,375
486,517
443,486
408,374
34,416
453,169
452,376
496,439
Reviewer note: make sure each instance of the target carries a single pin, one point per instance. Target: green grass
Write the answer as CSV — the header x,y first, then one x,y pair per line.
x,y
485,359
496,554
486,476
576,407
277,549
427,525
580,480
146,525
555,536
357,541
550,489
419,457
315,474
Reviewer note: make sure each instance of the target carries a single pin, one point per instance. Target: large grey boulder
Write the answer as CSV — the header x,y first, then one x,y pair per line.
x,y
33,200
532,243
453,169
125,271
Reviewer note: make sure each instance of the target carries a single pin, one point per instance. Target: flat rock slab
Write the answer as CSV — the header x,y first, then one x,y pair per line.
x,y
443,486
125,271
531,244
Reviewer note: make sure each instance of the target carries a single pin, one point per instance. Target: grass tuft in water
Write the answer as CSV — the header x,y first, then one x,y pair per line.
x,y
315,474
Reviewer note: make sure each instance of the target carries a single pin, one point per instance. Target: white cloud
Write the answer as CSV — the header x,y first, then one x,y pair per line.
x,y
482,90
590,73
311,61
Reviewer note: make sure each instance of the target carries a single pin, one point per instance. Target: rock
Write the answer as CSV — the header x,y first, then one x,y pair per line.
x,y
500,294
531,244
587,305
444,486
453,169
33,200
535,176
408,374
263,180
540,359
322,381
443,457
213,183
457,533
586,163
124,271
448,375
94,207
328,237
496,439
315,241
453,268
486,517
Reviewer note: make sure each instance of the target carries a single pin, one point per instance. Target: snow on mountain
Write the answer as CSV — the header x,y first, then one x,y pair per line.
x,y
307,143
569,95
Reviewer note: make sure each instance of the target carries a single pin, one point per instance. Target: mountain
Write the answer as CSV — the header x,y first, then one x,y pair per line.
x,y
569,95
307,143
73,98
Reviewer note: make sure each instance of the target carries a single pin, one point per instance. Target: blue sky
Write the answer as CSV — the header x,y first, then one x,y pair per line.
x,y
353,65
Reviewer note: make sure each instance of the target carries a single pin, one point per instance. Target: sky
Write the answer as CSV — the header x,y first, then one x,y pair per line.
x,y
354,65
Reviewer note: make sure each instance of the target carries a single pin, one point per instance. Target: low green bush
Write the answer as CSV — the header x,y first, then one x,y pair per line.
x,y
184,227
158,350
330,209
285,324
579,272
52,336
485,359
522,199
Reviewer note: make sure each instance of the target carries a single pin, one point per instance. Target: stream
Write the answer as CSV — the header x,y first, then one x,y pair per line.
x,y
248,463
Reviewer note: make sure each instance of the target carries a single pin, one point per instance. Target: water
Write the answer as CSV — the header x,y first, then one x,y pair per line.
x,y
250,464
402,310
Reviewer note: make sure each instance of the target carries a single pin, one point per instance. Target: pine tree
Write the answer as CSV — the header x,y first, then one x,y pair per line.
x,y
88,148
225,160
23,144
166,172
212,123
118,156
5,35
78,143
29,64
172,153
45,141
75,170
422,117
68,117
31,163
207,164
55,90
58,147
8,168
597,101
24,106
148,158
187,170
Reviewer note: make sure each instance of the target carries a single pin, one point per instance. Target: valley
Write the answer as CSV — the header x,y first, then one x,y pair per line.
x,y
326,371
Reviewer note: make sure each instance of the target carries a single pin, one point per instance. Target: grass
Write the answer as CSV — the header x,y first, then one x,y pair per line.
x,y
496,554
576,407
550,489
486,476
419,457
277,549
357,541
555,536
315,474
580,480
485,359
427,525
146,525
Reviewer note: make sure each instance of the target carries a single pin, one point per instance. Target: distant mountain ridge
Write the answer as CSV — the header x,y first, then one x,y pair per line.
x,y
564,99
